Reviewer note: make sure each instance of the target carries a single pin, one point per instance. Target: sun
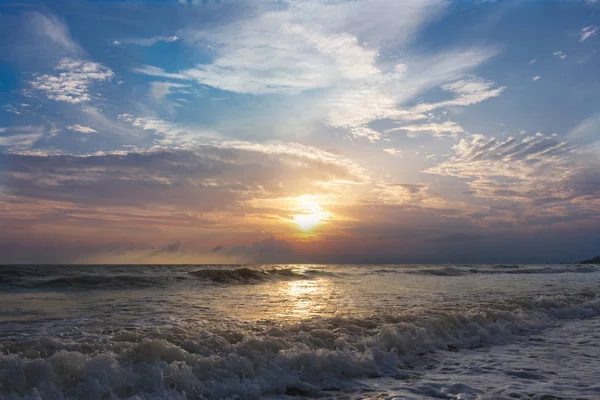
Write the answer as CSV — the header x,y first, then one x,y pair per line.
x,y
310,215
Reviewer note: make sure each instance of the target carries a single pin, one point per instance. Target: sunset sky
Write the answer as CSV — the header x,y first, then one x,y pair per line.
x,y
335,131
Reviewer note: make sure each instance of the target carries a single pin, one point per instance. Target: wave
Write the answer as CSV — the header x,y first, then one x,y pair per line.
x,y
69,278
255,275
192,362
100,281
503,269
446,271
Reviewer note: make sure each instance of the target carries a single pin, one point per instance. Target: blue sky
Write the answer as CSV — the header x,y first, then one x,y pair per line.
x,y
299,131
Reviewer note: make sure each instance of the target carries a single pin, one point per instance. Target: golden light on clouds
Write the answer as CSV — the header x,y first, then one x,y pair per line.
x,y
310,213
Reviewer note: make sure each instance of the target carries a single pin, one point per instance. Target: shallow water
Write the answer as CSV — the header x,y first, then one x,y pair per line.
x,y
385,331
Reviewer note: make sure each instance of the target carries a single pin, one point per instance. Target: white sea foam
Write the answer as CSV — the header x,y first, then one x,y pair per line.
x,y
249,360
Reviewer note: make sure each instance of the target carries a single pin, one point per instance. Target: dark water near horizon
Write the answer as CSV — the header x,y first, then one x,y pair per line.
x,y
302,331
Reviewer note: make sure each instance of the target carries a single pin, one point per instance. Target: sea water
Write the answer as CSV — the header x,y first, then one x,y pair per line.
x,y
300,331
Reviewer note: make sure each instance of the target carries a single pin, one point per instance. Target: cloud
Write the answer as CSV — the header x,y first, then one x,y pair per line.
x,y
52,31
175,247
158,90
71,80
588,32
393,151
560,54
19,141
207,178
532,170
536,78
469,91
11,109
81,128
442,130
586,132
532,61
382,98
322,48
147,41
316,45
168,133
269,250
300,59
159,72
19,138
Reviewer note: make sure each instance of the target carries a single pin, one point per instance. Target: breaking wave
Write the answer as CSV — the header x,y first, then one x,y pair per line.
x,y
254,275
194,362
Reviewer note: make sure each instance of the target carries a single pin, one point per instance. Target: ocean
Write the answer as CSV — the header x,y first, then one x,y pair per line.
x,y
300,331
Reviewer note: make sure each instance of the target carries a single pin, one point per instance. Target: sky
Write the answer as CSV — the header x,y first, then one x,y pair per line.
x,y
287,131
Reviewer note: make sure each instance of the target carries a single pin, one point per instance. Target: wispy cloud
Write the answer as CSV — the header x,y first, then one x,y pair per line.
x,y
151,41
560,54
50,29
81,128
440,130
469,91
318,46
209,177
536,78
159,90
588,32
19,138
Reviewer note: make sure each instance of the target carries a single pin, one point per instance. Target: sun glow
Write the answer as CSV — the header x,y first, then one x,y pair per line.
x,y
310,214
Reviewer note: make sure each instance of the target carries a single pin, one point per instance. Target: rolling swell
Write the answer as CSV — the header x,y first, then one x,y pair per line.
x,y
100,281
254,275
68,278
502,269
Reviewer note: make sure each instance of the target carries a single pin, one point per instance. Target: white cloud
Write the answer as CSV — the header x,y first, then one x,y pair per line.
x,y
445,129
468,91
273,54
393,151
167,132
11,109
588,32
587,131
560,54
536,78
353,108
159,72
159,90
20,141
151,41
529,169
81,128
334,47
20,137
50,28
532,61
72,79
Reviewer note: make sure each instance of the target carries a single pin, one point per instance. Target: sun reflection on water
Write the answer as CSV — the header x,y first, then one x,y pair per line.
x,y
305,298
